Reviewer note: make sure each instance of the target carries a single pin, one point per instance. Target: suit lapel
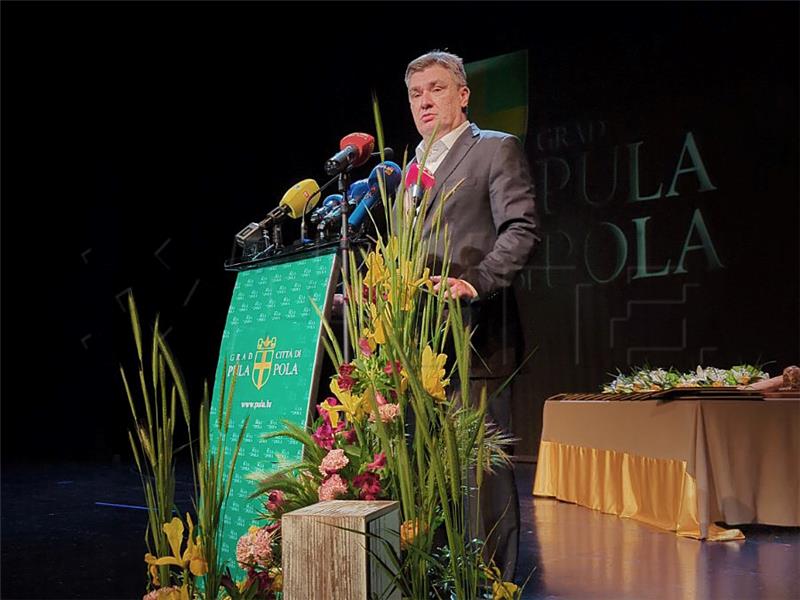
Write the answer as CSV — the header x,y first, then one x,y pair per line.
x,y
462,146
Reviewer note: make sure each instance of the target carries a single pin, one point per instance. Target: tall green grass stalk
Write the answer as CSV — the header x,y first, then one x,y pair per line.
x,y
215,475
161,388
153,411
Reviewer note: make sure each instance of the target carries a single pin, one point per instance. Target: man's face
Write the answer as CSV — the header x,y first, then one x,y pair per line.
x,y
436,97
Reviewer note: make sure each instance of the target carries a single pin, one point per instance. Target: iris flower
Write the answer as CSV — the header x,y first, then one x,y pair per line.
x,y
433,373
351,404
191,559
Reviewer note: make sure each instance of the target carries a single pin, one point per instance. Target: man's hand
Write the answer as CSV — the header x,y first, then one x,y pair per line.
x,y
458,288
338,308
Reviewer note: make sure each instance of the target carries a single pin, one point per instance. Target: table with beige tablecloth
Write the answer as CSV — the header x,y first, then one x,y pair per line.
x,y
680,465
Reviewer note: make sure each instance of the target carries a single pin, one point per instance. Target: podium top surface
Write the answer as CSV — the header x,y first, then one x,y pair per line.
x,y
363,509
288,254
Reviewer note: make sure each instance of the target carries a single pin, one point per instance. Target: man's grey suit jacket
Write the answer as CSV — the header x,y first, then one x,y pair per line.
x,y
491,217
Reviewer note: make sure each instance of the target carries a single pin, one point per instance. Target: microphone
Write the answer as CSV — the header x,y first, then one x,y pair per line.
x,y
358,189
388,153
392,176
327,205
354,150
297,200
416,185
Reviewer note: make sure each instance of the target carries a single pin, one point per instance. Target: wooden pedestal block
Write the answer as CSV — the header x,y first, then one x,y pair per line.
x,y
324,561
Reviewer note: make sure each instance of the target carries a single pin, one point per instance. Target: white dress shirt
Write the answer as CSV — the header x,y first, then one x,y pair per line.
x,y
440,148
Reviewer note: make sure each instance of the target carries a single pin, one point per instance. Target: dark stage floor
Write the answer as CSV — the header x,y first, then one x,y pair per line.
x,y
73,531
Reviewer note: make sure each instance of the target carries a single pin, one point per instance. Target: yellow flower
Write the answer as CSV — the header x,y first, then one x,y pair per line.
x,y
411,286
191,559
501,590
333,412
277,579
380,324
433,373
504,590
153,571
376,270
352,404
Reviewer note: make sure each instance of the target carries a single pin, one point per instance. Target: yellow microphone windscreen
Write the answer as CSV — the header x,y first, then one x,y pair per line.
x,y
296,198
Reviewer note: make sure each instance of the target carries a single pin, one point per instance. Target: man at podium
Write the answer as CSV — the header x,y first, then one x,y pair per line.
x,y
492,221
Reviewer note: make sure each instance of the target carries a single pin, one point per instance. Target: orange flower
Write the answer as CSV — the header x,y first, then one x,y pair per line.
x,y
409,531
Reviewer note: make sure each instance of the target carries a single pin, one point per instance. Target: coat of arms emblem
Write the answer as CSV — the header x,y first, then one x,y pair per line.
x,y
262,363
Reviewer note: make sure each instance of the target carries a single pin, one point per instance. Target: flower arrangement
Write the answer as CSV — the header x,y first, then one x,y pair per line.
x,y
398,424
653,380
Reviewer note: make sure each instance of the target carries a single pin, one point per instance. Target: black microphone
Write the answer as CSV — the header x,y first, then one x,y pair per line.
x,y
354,150
388,153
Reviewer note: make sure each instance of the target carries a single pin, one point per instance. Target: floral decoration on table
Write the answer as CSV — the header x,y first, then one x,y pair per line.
x,y
654,380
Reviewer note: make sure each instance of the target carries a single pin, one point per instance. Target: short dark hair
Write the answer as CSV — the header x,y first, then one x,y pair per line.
x,y
449,61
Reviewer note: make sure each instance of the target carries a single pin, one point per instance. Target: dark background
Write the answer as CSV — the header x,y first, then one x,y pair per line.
x,y
138,138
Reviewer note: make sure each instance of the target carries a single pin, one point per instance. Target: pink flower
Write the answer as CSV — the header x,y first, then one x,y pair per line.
x,y
363,344
345,376
348,436
255,547
369,484
275,501
388,413
378,463
371,293
243,554
164,592
326,415
274,527
333,487
380,399
323,436
333,462
262,546
389,368
264,580
345,382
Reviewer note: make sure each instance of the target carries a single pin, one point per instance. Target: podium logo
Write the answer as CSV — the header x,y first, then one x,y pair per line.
x,y
262,363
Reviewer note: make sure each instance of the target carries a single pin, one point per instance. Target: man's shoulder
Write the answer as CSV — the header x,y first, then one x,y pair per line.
x,y
493,137
492,134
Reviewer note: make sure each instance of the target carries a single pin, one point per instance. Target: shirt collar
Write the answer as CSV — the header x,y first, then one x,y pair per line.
x,y
442,145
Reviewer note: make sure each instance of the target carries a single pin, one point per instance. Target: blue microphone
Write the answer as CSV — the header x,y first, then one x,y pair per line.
x,y
328,205
392,175
358,189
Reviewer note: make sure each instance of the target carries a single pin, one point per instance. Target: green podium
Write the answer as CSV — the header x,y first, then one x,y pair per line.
x,y
272,343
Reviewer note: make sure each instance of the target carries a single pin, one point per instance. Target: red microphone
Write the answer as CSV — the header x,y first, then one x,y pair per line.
x,y
354,150
416,185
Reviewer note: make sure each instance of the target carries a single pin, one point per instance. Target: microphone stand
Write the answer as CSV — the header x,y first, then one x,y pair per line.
x,y
344,246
